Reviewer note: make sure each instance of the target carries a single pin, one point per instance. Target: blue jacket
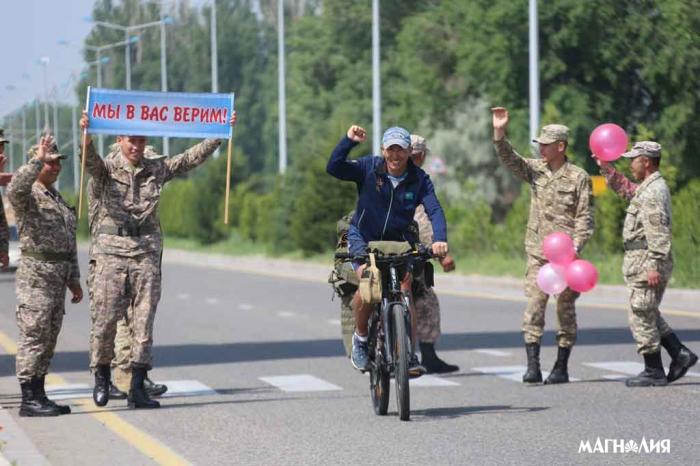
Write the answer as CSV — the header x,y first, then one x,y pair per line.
x,y
384,212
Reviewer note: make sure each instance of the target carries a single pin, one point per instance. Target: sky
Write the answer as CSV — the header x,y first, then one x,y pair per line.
x,y
30,30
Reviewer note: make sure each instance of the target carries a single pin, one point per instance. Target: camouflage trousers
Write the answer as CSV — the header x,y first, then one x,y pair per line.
x,y
427,309
646,323
41,295
533,319
127,289
122,340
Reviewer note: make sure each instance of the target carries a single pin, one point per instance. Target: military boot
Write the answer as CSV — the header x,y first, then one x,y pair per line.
x,y
560,373
115,393
31,405
682,358
154,389
100,394
138,397
533,373
432,363
40,392
652,375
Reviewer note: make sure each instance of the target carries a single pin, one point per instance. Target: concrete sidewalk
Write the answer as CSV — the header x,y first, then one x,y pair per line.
x,y
678,301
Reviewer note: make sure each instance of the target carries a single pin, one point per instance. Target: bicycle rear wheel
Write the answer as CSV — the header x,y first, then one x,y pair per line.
x,y
379,389
401,354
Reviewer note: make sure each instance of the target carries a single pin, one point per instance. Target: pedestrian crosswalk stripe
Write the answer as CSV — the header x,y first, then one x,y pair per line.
x,y
626,367
68,391
176,388
431,381
245,307
493,352
212,300
187,388
300,383
334,321
507,372
285,314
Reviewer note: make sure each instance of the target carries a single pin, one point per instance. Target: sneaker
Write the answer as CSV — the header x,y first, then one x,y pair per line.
x,y
360,354
415,368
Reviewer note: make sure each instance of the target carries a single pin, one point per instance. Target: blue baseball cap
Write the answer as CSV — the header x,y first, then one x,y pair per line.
x,y
396,136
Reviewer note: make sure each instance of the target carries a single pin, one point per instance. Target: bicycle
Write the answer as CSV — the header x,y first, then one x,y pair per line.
x,y
390,325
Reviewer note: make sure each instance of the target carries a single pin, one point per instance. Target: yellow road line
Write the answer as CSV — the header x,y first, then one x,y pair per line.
x,y
137,438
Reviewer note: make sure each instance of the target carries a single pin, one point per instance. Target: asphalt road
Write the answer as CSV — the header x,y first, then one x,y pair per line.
x,y
224,337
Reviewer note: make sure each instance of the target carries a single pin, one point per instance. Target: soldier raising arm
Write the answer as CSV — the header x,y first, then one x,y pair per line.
x,y
48,265
560,201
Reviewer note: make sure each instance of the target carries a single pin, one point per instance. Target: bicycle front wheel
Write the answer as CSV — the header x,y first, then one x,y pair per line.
x,y
401,353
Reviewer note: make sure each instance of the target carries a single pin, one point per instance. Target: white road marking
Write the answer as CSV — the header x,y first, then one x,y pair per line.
x,y
286,314
187,388
17,448
300,383
431,381
175,388
494,352
212,300
245,307
68,391
514,373
183,296
625,367
334,321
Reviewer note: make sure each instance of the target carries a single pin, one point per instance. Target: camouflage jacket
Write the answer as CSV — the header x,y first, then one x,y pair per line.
x,y
127,197
646,233
560,201
46,223
4,230
425,228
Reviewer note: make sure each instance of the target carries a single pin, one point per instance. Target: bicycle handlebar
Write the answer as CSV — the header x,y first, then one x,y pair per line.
x,y
425,255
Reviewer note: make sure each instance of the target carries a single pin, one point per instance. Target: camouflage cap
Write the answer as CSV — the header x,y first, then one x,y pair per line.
x,y
52,150
418,144
552,133
2,137
648,148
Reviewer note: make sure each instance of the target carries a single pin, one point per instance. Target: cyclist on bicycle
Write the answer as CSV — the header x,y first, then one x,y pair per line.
x,y
389,189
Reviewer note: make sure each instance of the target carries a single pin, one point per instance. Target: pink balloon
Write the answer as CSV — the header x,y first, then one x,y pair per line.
x,y
550,279
581,276
558,248
608,141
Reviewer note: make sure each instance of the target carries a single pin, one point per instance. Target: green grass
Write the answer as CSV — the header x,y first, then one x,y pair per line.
x,y
491,264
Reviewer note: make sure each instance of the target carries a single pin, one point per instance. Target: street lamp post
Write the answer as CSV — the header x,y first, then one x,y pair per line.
x,y
281,94
376,83
44,61
534,71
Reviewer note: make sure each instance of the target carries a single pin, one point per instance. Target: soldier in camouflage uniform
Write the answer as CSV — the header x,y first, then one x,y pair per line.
x,y
48,266
127,247
119,387
4,228
561,201
648,263
426,302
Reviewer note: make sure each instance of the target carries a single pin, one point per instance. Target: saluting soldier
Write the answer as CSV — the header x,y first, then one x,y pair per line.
x,y
561,201
648,263
127,244
49,265
4,228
